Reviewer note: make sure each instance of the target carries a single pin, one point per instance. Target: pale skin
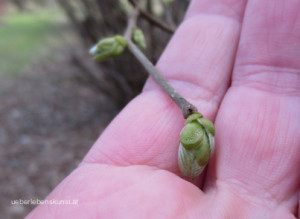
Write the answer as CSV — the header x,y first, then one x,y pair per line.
x,y
239,63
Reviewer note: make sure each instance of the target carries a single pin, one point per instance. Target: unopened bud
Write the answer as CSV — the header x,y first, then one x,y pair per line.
x,y
108,48
168,1
196,145
139,39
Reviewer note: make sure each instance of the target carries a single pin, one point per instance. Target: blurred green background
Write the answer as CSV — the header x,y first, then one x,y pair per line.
x,y
54,100
23,35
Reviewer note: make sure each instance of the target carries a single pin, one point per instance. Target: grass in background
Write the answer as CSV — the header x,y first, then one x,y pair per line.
x,y
22,36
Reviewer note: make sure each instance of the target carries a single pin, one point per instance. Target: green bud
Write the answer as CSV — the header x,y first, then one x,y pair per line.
x,y
196,145
139,39
108,48
192,135
168,1
194,116
203,153
208,125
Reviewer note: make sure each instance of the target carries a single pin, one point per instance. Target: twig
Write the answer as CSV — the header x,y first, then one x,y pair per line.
x,y
152,19
186,107
131,24
168,14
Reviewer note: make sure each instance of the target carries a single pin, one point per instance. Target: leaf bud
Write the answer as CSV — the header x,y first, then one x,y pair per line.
x,y
139,39
196,145
167,2
108,48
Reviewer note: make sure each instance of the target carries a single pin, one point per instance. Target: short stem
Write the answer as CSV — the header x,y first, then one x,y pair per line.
x,y
186,107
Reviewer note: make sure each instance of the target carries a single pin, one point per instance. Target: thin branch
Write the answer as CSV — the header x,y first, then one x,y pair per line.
x,y
131,24
152,19
186,107
168,14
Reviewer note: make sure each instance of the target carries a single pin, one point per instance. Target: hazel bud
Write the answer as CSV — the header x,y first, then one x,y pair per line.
x,y
139,39
108,48
196,145
168,1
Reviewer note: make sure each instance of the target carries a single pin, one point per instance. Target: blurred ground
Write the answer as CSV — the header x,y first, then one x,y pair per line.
x,y
49,118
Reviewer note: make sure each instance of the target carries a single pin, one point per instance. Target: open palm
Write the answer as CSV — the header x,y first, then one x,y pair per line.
x,y
239,63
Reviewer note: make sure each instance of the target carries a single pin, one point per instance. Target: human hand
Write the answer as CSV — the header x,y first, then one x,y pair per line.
x,y
132,170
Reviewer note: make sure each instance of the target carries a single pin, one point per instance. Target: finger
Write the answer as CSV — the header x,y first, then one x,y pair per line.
x,y
198,63
258,131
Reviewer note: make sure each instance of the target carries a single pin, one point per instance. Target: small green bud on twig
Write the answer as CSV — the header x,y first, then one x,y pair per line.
x,y
108,48
167,2
196,145
138,38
